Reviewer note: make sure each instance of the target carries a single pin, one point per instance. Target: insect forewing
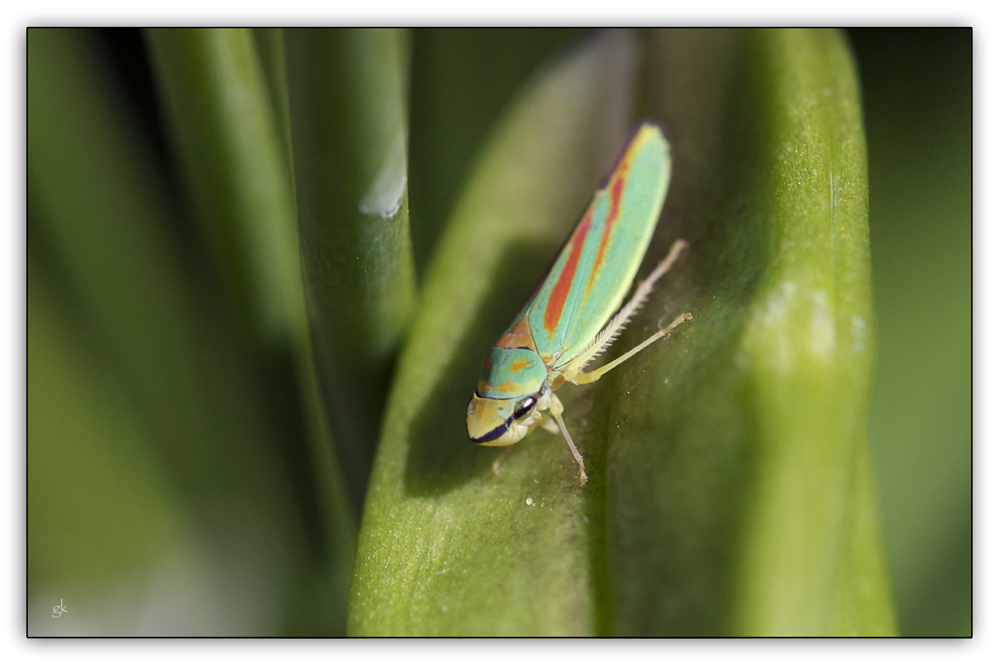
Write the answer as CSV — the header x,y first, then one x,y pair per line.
x,y
594,270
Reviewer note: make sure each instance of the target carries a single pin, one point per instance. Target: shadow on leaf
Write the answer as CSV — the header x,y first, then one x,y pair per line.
x,y
441,456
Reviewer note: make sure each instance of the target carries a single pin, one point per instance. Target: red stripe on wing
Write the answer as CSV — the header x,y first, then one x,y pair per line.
x,y
560,292
615,208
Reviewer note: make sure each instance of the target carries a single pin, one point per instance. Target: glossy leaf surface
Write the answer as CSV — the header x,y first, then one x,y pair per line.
x,y
729,490
347,92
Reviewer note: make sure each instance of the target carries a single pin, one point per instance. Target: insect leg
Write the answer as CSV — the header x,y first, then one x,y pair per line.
x,y
573,371
594,375
556,410
549,425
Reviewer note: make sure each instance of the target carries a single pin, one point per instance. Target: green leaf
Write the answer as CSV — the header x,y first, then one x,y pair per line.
x,y
270,47
729,488
347,91
446,547
462,80
234,160
174,379
228,107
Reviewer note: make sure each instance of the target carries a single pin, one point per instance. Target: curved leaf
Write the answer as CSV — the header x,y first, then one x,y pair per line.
x,y
729,490
163,375
234,161
461,81
224,91
347,96
436,518
734,504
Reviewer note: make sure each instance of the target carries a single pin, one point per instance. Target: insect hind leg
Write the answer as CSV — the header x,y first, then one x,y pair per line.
x,y
594,375
573,372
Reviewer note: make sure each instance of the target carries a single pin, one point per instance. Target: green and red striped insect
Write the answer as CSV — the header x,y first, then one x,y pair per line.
x,y
568,320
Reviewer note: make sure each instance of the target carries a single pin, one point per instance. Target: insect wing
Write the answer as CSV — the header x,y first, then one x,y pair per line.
x,y
593,272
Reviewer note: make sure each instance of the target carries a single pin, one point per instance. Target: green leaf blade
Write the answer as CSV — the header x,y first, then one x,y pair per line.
x,y
235,165
727,487
347,94
225,95
164,374
734,491
448,548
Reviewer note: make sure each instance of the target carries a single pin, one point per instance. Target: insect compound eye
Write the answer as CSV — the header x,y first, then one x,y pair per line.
x,y
524,407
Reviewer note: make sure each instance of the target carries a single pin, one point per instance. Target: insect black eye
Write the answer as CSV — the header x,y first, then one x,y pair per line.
x,y
524,407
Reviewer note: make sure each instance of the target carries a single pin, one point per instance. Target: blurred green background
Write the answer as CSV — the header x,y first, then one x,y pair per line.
x,y
917,105
221,520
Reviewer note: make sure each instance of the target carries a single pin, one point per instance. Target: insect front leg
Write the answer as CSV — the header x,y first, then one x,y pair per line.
x,y
539,419
550,425
555,407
